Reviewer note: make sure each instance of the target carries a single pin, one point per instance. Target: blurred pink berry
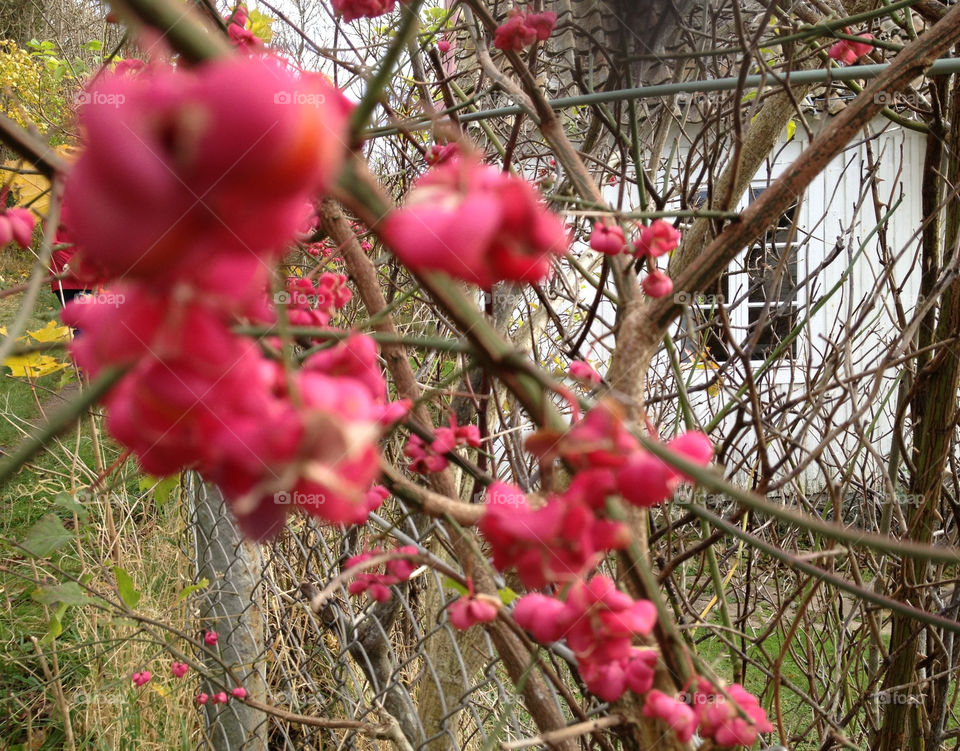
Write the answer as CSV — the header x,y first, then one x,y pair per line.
x,y
694,446
470,610
607,240
645,480
847,51
351,10
219,698
657,284
514,33
657,239
201,698
583,371
179,669
541,616
721,721
16,225
523,29
443,46
239,692
542,23
477,224
210,637
674,713
142,678
170,179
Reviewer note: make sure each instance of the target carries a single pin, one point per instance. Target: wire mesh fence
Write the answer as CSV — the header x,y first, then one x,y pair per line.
x,y
397,663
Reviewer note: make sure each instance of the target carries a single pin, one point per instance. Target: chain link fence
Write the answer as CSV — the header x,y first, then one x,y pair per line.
x,y
397,663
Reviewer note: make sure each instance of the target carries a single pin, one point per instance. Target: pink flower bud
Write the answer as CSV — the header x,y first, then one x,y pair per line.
x,y
201,698
179,669
239,692
210,637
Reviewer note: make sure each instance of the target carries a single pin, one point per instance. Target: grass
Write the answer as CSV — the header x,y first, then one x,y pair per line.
x,y
95,652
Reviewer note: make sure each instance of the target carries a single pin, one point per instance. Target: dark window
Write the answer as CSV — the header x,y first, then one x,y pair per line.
x,y
759,294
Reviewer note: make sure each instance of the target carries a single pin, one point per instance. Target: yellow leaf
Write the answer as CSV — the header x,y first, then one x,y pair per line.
x,y
51,333
260,25
33,365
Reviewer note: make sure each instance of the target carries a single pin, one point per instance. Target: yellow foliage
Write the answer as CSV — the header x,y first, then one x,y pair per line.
x,y
37,364
260,26
26,86
33,189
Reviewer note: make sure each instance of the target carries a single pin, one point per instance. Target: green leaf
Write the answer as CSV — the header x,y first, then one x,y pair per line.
x,y
192,589
94,45
449,583
70,593
791,129
71,504
46,536
162,487
55,627
128,593
507,595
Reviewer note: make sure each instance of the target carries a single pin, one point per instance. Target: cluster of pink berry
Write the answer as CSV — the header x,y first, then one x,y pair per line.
x,y
427,459
377,583
558,544
191,185
655,240
221,697
523,29
726,724
314,304
599,623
